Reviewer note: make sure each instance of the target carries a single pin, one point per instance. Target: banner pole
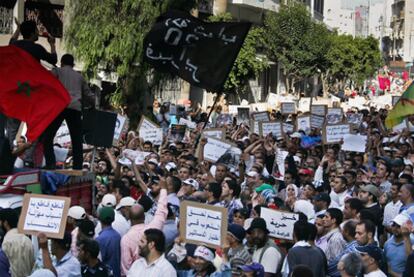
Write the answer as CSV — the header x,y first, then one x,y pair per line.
x,y
212,109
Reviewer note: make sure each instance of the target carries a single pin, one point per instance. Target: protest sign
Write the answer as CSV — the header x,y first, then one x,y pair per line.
x,y
400,127
231,158
217,133
243,115
319,110
259,107
354,118
280,224
304,104
63,136
335,133
303,123
177,132
44,213
215,148
267,127
354,143
203,224
395,99
149,131
280,158
121,127
317,121
272,99
190,124
254,126
334,116
288,108
261,116
233,109
224,119
288,127
137,156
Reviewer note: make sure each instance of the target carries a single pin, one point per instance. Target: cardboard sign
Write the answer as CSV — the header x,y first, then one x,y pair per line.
x,y
44,213
137,156
177,132
303,123
217,133
267,127
317,121
231,158
203,224
280,224
354,143
262,116
149,131
304,104
288,127
288,108
318,110
395,99
254,125
335,133
259,107
354,118
224,119
243,115
334,116
190,124
121,127
215,148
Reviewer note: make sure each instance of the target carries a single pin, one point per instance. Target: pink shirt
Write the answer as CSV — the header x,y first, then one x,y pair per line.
x,y
129,242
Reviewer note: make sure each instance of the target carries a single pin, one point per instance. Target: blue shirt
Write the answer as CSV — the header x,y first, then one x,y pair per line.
x,y
395,254
4,265
109,243
68,266
332,266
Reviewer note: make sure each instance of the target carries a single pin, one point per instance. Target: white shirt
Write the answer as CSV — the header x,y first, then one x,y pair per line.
x,y
391,210
271,259
120,224
160,267
376,273
338,199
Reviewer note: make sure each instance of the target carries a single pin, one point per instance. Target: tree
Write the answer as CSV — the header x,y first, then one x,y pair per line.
x,y
107,35
293,39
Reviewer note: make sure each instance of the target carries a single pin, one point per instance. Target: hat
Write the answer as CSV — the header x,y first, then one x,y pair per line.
x,y
191,182
170,166
323,196
127,201
296,135
264,187
236,231
400,219
254,267
87,227
108,200
372,250
371,189
106,214
77,212
306,171
258,223
252,173
385,159
243,211
153,161
177,253
305,207
204,253
397,162
155,179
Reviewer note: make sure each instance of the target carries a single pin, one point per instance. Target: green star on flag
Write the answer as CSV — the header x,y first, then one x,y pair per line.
x,y
23,87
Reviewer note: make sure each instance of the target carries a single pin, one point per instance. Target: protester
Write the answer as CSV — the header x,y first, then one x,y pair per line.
x,y
91,265
371,258
350,265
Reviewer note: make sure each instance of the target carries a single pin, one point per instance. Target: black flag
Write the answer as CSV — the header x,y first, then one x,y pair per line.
x,y
199,52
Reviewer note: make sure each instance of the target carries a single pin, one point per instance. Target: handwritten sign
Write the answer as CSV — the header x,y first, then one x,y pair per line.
x,y
318,110
149,131
334,116
317,121
261,116
215,148
288,108
203,224
44,213
280,224
137,156
217,133
268,127
190,124
303,123
335,133
355,143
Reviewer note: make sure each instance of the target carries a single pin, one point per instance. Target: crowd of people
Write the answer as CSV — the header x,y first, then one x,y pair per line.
x,y
356,210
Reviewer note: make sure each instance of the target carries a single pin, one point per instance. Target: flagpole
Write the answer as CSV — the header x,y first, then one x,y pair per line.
x,y
212,109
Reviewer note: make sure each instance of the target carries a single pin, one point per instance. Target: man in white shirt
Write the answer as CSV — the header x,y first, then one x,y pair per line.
x,y
120,224
371,257
153,263
392,209
339,192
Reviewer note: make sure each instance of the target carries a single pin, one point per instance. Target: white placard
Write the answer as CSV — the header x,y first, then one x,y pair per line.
x,y
334,116
119,127
280,161
318,110
400,127
354,118
261,116
317,121
304,123
272,99
288,108
280,224
355,143
275,128
137,156
335,133
304,104
214,149
190,124
63,136
148,131
288,127
214,133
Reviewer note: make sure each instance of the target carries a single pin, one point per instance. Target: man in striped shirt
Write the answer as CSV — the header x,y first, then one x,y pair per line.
x,y
237,253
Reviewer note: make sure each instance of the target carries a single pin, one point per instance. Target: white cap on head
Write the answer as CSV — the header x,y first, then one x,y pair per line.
x,y
204,253
192,183
77,212
127,201
401,219
108,200
170,166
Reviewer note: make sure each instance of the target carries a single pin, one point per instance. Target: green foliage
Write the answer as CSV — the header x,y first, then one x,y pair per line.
x,y
248,64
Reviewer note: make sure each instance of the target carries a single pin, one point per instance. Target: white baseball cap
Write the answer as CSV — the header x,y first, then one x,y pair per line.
x,y
252,173
77,212
127,201
204,253
108,200
401,219
191,182
170,166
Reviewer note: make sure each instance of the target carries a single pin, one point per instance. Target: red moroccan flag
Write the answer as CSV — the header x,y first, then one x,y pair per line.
x,y
28,91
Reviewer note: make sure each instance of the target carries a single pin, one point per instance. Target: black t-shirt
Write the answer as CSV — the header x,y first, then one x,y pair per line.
x,y
36,50
99,270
